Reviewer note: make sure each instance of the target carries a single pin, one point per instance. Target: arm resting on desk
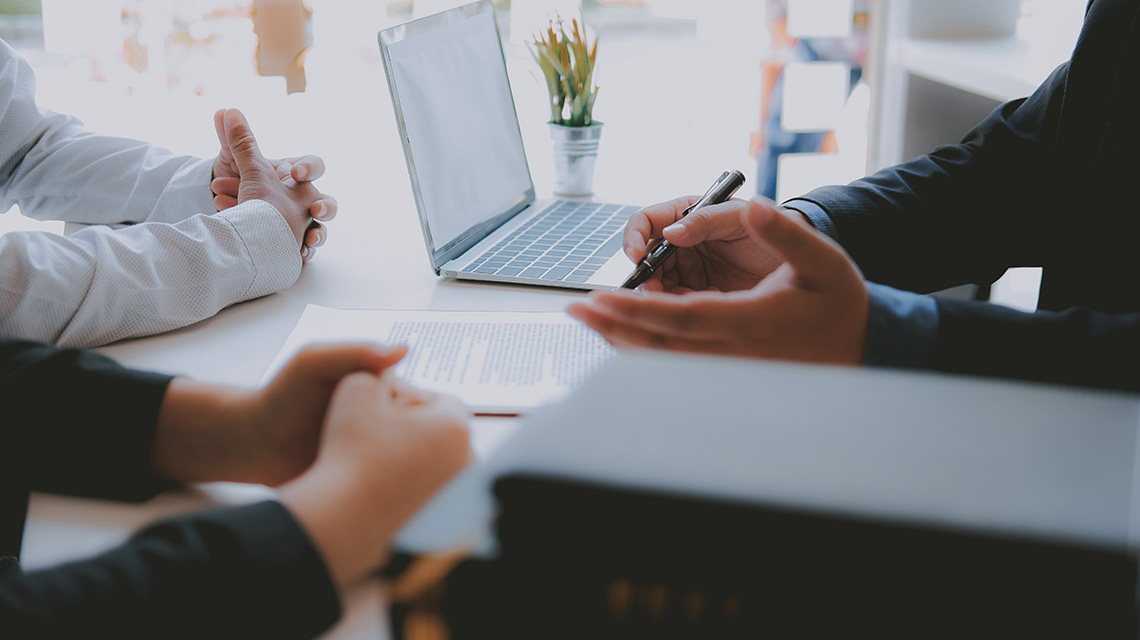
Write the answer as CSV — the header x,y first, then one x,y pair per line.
x,y
99,285
1076,346
239,572
79,423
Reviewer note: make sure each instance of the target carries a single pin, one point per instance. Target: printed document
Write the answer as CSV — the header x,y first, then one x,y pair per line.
x,y
495,362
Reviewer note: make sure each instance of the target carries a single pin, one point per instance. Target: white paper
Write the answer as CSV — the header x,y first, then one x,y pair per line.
x,y
495,362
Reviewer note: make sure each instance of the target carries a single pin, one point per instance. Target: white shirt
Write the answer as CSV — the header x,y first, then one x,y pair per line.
x,y
179,262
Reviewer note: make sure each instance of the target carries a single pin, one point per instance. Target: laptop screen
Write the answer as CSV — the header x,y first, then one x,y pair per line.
x,y
464,150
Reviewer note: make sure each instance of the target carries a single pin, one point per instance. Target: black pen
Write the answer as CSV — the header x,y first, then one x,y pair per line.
x,y
721,190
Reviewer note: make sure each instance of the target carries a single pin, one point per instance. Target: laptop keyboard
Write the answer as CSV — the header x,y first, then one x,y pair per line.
x,y
568,242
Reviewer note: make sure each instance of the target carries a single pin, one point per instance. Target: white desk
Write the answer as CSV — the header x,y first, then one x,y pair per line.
x,y
661,140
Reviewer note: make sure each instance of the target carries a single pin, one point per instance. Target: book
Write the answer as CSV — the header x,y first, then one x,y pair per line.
x,y
496,362
998,457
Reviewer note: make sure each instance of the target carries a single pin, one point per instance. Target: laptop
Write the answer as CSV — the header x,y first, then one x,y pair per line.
x,y
473,190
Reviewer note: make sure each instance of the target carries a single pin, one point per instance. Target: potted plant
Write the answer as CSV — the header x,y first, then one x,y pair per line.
x,y
567,63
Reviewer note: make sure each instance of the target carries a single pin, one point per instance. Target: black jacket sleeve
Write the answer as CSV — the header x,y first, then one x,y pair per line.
x,y
81,424
237,572
963,213
1047,181
1076,346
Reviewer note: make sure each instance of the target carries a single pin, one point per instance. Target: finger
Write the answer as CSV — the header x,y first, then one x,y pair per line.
x,y
223,202
284,169
655,285
693,316
814,257
678,289
307,254
624,335
243,145
224,164
324,209
331,362
225,186
646,225
307,168
713,222
410,395
444,407
220,129
315,236
362,392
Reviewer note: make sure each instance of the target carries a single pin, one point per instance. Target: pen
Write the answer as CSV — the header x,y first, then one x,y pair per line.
x,y
721,190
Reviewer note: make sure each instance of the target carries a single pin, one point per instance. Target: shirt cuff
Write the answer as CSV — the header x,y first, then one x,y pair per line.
x,y
186,194
902,329
816,216
270,244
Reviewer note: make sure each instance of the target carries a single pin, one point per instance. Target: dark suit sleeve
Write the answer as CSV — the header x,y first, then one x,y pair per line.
x,y
78,423
961,214
1075,346
237,572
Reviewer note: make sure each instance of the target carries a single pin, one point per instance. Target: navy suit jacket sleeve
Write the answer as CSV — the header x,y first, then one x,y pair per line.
x,y
1046,181
961,214
79,423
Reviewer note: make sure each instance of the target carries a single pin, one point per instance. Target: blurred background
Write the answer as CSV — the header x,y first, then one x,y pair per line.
x,y
794,93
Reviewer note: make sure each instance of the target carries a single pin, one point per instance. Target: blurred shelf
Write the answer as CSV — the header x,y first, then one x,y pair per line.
x,y
997,68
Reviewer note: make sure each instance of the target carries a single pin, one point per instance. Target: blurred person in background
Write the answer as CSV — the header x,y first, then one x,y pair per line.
x,y
772,140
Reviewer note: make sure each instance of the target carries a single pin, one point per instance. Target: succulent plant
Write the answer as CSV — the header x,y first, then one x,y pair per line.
x,y
567,63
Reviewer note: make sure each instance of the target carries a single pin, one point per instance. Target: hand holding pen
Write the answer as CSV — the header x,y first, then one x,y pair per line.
x,y
720,191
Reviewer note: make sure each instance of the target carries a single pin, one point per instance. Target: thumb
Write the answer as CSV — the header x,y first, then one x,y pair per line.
x,y
247,155
714,222
815,258
220,128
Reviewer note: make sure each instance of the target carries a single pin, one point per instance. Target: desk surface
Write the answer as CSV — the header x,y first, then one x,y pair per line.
x,y
660,142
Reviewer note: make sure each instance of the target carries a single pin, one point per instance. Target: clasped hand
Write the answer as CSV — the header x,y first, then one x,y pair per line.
x,y
748,279
353,449
241,173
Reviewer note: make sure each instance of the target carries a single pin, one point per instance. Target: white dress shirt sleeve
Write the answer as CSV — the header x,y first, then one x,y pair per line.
x,y
181,263
54,169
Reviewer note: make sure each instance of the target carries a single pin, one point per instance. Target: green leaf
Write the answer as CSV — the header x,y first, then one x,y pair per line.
x,y
567,61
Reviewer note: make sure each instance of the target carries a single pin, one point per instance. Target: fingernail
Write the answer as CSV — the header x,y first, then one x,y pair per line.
x,y
302,172
677,229
318,211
